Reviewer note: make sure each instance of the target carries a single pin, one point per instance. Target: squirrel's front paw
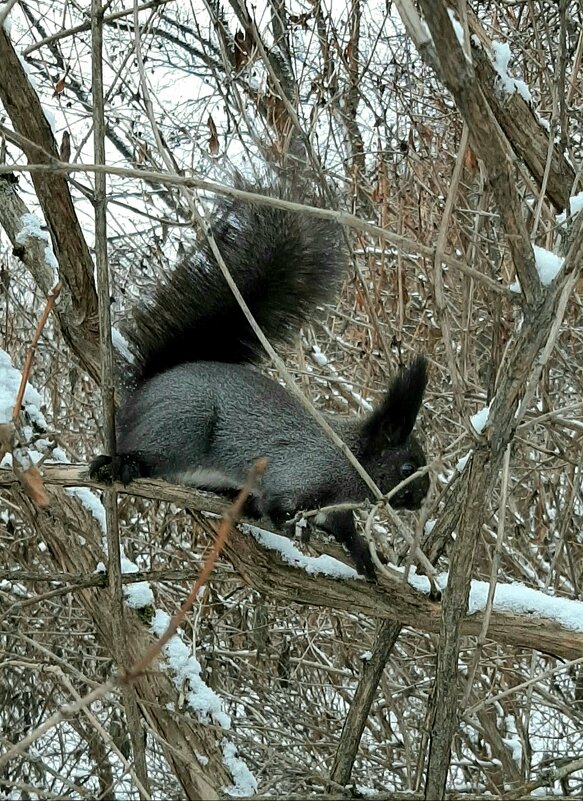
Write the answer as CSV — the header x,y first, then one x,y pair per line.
x,y
362,559
123,468
101,469
127,467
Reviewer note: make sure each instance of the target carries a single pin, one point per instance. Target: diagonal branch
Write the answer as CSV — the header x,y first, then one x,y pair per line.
x,y
390,599
387,635
528,138
488,141
544,312
23,106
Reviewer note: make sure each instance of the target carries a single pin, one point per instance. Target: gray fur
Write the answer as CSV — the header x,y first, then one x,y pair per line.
x,y
223,418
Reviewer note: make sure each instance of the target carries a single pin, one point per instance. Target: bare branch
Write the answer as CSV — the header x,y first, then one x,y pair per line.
x,y
75,265
389,599
487,139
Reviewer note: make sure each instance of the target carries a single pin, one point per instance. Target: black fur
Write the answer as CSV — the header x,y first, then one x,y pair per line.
x,y
392,422
284,265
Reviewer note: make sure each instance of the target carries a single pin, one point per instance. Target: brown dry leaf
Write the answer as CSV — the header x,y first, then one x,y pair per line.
x,y
470,161
425,132
142,153
213,138
348,52
32,484
65,149
243,48
300,19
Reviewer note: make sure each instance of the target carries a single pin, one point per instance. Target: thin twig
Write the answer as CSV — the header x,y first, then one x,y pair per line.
x,y
51,298
59,716
107,738
119,644
85,26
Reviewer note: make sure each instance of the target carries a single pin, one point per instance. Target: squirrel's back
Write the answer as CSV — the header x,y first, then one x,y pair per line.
x,y
284,264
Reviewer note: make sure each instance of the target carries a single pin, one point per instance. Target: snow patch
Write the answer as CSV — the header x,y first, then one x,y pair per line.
x,y
479,422
121,345
502,56
513,741
315,565
186,669
84,495
457,27
318,356
515,286
91,502
429,525
548,266
9,383
522,600
31,229
575,205
515,598
465,459
245,782
137,595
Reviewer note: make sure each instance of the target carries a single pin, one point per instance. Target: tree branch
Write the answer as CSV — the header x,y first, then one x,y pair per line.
x,y
389,599
23,106
487,140
517,119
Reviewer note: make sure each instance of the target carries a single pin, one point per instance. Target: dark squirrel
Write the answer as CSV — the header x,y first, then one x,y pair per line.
x,y
198,410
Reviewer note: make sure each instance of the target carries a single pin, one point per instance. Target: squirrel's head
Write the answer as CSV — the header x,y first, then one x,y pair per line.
x,y
389,451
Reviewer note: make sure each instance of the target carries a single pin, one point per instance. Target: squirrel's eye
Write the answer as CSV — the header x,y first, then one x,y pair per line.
x,y
407,469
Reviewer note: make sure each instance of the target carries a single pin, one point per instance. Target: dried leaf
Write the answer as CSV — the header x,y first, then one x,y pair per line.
x,y
65,149
213,138
33,484
425,132
243,48
31,480
470,161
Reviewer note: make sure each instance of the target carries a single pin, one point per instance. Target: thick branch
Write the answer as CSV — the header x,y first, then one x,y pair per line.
x,y
183,735
455,602
408,795
532,345
527,137
12,210
488,142
23,106
372,670
389,599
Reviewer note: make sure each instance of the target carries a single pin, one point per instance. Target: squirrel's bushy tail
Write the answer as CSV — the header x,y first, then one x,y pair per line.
x,y
284,264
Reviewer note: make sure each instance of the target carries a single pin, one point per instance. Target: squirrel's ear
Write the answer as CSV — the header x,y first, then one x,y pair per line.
x,y
392,422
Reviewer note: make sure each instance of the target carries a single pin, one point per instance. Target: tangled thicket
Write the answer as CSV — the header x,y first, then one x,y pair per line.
x,y
344,97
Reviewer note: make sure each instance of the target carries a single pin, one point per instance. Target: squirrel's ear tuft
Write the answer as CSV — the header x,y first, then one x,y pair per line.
x,y
392,422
